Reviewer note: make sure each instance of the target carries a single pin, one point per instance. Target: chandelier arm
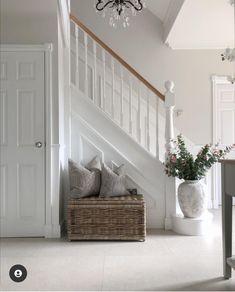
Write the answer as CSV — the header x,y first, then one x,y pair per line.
x,y
133,5
103,7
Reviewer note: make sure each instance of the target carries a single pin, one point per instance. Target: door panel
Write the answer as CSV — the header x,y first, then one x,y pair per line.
x,y
3,190
22,125
25,117
26,191
3,118
225,125
226,132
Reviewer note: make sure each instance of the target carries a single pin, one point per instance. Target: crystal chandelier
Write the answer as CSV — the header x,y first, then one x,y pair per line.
x,y
229,54
119,10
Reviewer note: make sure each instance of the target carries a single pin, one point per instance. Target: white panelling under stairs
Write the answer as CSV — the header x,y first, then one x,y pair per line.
x,y
94,134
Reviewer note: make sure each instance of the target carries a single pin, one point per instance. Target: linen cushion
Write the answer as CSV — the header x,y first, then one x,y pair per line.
x,y
113,182
85,181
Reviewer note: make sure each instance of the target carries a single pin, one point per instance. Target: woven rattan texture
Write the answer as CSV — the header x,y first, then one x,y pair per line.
x,y
117,218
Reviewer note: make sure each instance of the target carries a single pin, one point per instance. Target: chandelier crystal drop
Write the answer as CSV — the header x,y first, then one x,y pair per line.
x,y
119,11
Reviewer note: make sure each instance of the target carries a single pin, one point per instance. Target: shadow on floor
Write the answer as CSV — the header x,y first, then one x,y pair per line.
x,y
214,284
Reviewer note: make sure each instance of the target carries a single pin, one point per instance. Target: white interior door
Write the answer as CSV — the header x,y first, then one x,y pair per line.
x,y
22,172
224,124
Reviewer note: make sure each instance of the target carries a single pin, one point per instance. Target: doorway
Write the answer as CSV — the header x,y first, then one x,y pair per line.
x,y
22,141
223,125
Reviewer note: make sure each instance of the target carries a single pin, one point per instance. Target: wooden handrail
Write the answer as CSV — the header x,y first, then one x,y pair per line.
x,y
117,57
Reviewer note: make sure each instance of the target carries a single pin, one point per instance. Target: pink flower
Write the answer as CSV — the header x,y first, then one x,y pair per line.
x,y
173,158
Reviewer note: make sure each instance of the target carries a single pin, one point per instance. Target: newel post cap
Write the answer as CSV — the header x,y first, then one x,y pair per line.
x,y
169,85
169,94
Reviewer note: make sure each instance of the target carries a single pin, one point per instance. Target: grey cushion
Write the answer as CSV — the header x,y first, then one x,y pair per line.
x,y
85,181
94,164
113,183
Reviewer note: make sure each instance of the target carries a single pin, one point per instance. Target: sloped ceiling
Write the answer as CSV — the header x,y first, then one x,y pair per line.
x,y
195,24
159,7
188,24
203,24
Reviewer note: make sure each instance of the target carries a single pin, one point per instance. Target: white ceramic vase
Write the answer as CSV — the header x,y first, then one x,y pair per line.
x,y
192,198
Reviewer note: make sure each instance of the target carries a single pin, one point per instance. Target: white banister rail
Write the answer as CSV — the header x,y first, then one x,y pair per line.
x,y
117,57
119,91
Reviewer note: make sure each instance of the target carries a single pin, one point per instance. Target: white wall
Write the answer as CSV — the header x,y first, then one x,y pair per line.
x,y
142,47
61,101
33,22
64,112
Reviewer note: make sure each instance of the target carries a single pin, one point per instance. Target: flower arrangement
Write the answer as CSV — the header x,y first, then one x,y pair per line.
x,y
181,163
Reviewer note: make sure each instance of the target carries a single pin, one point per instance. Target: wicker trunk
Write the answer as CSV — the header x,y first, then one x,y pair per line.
x,y
117,218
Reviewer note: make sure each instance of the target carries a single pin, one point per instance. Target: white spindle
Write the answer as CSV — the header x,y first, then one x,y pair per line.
x,y
100,84
130,105
113,87
103,97
169,105
77,56
86,62
148,120
122,98
157,127
139,115
95,73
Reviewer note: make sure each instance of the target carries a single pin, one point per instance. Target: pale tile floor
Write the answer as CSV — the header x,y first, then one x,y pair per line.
x,y
166,261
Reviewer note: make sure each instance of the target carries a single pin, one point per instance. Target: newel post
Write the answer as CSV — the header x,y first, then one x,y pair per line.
x,y
169,105
170,182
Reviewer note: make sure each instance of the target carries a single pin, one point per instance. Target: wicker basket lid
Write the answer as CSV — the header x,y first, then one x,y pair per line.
x,y
96,200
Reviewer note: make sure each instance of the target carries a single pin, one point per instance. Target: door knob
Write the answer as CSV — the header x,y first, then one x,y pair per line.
x,y
38,144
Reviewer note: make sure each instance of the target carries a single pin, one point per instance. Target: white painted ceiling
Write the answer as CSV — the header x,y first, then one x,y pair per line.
x,y
200,24
203,24
159,7
33,7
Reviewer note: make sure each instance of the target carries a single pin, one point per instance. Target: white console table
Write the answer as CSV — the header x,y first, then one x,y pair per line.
x,y
228,192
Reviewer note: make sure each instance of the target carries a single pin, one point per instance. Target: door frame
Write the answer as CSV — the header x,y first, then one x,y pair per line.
x,y
216,80
52,172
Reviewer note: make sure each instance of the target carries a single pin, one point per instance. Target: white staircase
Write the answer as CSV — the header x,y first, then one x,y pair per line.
x,y
118,115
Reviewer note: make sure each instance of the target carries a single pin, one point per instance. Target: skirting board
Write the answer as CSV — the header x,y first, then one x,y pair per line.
x,y
52,231
168,223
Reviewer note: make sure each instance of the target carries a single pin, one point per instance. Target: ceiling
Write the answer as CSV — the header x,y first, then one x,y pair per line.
x,y
26,7
188,24
203,24
159,7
